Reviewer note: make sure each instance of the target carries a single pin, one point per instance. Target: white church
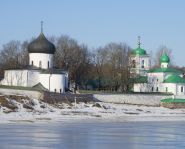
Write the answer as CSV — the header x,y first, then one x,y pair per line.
x,y
40,72
164,79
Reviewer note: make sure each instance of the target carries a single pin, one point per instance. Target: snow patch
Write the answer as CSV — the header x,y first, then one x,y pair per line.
x,y
33,110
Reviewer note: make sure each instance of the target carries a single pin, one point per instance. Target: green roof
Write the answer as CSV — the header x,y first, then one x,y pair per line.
x,y
174,79
138,79
165,70
171,100
164,58
139,51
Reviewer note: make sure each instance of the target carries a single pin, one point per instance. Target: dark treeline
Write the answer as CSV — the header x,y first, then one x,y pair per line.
x,y
104,68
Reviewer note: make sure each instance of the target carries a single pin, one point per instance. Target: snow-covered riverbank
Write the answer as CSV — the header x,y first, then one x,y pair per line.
x,y
33,110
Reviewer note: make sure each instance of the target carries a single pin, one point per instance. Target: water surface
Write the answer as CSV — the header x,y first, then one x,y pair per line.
x,y
93,134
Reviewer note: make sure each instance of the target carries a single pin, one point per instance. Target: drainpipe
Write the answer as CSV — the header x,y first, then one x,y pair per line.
x,y
27,78
49,80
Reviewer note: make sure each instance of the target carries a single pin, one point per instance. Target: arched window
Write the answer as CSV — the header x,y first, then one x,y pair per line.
x,y
182,89
55,90
152,89
166,89
60,91
134,64
32,63
143,64
48,64
157,89
40,64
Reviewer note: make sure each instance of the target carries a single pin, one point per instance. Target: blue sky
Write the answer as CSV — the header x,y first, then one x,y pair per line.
x,y
97,22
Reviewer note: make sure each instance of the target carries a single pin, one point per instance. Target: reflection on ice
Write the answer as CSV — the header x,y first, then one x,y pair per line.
x,y
93,134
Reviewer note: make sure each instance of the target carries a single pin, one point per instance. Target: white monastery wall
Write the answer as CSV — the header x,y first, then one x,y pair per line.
x,y
155,77
179,89
176,89
41,60
171,87
33,78
15,78
140,99
24,78
142,87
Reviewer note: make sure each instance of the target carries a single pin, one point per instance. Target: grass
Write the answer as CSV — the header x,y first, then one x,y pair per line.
x,y
171,100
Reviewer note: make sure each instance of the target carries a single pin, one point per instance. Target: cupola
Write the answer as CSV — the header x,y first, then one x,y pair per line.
x,y
139,51
41,52
164,60
41,45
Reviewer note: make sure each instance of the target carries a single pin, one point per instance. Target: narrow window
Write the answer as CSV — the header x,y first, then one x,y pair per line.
x,y
60,91
157,89
143,63
134,64
166,89
32,63
182,89
40,64
48,64
55,90
152,89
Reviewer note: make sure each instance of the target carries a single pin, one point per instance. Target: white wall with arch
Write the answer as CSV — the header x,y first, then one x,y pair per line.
x,y
53,82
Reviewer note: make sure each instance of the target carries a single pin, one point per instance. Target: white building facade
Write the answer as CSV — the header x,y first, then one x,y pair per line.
x,y
40,70
41,60
163,79
139,61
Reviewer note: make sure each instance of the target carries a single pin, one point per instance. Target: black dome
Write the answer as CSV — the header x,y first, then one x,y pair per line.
x,y
41,45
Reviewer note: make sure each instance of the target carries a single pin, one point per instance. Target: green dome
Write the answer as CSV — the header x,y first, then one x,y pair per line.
x,y
174,79
164,58
139,51
165,70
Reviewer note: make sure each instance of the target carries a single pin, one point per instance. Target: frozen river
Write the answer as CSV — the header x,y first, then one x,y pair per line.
x,y
93,134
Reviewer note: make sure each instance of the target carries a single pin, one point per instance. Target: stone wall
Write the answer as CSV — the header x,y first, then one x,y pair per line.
x,y
48,96
138,99
66,98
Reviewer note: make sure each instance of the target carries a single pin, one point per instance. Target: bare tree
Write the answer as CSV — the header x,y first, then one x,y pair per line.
x,y
112,66
119,65
23,55
10,54
72,57
99,59
13,55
